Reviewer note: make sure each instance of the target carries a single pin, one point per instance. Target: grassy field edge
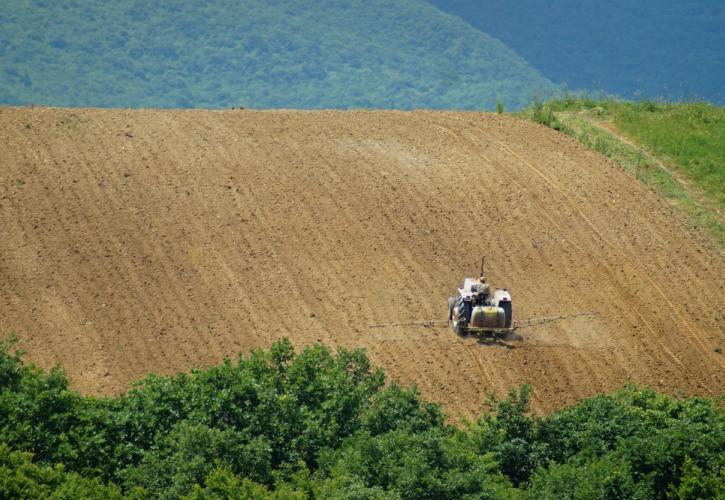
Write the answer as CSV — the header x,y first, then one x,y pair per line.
x,y
677,149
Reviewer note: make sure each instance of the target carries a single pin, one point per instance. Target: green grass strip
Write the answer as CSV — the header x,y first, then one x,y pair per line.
x,y
672,145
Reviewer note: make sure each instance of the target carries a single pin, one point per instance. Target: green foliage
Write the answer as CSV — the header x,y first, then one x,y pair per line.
x,y
436,464
221,53
280,425
11,368
39,414
21,478
189,453
690,135
542,112
511,435
399,408
223,484
599,478
694,483
652,434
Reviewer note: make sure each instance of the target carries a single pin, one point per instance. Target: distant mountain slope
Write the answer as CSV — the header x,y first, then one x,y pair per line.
x,y
670,48
262,54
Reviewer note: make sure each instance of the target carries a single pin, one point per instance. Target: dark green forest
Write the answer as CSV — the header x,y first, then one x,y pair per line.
x,y
261,54
672,49
316,424
403,54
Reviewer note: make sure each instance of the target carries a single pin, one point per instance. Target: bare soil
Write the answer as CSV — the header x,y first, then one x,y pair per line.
x,y
137,241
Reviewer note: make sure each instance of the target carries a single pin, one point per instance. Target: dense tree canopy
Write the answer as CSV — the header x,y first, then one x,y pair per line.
x,y
276,424
262,54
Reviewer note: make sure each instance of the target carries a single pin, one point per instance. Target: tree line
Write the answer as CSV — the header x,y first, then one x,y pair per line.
x,y
318,424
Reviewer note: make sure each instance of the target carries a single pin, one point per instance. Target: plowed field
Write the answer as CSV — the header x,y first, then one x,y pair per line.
x,y
137,241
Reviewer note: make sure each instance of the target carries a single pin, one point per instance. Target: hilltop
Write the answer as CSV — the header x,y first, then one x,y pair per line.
x,y
398,54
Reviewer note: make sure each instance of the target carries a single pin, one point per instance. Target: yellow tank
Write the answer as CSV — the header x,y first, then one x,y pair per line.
x,y
488,317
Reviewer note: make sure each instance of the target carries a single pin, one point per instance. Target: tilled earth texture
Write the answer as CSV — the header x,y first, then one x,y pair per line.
x,y
138,241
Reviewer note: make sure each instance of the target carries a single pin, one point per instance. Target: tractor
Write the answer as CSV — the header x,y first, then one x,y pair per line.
x,y
477,308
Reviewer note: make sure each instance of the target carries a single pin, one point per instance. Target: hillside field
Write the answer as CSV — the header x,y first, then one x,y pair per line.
x,y
137,241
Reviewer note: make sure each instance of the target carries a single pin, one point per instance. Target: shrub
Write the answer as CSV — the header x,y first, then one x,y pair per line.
x,y
21,478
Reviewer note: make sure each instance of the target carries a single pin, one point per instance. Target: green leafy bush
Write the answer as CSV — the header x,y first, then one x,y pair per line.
x,y
20,477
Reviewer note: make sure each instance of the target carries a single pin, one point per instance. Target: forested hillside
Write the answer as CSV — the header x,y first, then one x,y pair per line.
x,y
661,48
254,53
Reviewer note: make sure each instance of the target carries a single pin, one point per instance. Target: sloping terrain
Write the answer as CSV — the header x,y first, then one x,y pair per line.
x,y
397,54
136,241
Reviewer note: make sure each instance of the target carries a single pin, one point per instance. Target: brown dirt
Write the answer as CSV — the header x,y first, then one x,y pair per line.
x,y
137,241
